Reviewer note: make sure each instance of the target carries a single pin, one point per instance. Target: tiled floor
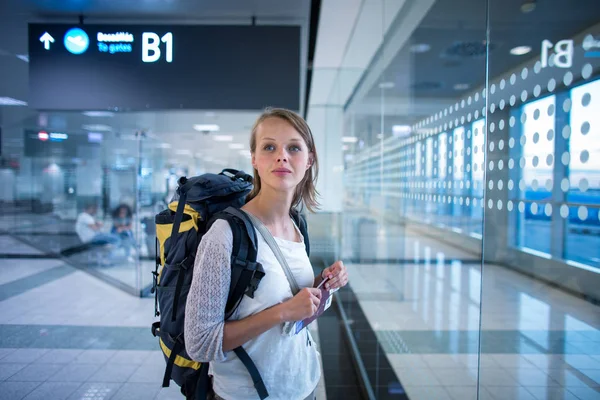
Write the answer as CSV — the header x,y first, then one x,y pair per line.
x,y
67,335
537,342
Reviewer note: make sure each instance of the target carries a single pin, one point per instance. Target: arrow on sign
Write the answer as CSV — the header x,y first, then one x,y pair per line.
x,y
46,39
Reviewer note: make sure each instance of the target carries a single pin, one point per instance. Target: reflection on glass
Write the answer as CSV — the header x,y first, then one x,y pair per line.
x,y
583,220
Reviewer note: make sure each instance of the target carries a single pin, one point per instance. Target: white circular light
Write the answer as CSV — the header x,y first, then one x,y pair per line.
x,y
524,73
582,213
585,128
584,156
564,211
568,78
586,71
551,85
520,50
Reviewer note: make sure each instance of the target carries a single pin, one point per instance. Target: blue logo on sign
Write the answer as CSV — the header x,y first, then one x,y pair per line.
x,y
76,41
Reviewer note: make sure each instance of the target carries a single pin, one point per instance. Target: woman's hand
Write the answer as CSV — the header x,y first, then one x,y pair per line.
x,y
302,305
337,275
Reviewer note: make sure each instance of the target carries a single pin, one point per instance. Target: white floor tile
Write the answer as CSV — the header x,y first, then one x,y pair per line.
x,y
509,392
551,393
24,356
427,393
95,391
455,376
16,390
114,373
417,377
53,390
36,372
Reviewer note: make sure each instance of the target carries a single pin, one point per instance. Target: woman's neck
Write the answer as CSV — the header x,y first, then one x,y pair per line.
x,y
273,209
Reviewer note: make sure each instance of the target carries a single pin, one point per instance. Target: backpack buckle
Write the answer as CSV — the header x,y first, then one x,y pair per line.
x,y
253,285
252,268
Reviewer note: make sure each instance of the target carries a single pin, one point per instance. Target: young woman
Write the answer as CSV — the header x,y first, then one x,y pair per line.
x,y
285,170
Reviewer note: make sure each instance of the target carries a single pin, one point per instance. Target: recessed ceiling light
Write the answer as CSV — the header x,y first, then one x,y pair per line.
x,y
99,113
206,127
386,85
223,138
23,57
9,101
245,153
96,127
236,146
461,86
401,130
349,139
420,48
183,152
528,6
164,146
520,50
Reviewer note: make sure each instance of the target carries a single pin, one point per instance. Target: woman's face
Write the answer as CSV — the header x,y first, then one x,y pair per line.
x,y
281,156
122,212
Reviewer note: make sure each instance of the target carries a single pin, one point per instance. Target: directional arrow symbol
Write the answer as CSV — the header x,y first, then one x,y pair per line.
x,y
46,38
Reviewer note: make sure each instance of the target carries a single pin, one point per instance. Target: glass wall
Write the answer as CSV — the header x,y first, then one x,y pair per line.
x,y
85,187
472,190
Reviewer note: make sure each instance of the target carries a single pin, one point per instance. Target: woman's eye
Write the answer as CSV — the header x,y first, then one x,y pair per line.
x,y
269,147
294,148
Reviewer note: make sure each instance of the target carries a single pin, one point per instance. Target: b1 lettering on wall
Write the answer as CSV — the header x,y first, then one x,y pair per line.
x,y
562,56
151,47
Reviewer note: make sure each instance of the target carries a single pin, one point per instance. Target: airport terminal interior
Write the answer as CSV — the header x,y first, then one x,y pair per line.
x,y
458,182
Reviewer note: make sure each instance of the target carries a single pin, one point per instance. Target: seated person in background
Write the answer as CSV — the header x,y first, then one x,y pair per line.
x,y
122,219
89,230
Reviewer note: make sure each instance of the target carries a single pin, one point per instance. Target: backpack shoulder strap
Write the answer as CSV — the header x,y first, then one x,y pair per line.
x,y
300,221
246,273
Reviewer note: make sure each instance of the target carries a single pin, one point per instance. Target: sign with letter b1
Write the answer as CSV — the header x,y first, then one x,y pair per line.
x,y
562,56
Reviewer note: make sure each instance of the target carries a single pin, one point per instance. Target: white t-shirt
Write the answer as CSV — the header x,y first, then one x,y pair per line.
x,y
82,227
289,366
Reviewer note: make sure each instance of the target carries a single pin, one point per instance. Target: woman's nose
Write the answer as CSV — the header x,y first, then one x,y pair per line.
x,y
282,156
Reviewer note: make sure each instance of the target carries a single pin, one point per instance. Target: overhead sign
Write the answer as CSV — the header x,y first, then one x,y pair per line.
x,y
143,67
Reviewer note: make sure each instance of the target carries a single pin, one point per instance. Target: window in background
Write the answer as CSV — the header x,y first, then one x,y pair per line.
x,y
442,156
459,154
429,157
418,159
460,215
583,158
536,179
477,175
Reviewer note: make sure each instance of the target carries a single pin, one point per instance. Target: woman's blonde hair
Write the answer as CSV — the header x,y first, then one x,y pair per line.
x,y
306,191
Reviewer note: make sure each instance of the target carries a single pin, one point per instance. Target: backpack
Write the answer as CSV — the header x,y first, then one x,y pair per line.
x,y
198,202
